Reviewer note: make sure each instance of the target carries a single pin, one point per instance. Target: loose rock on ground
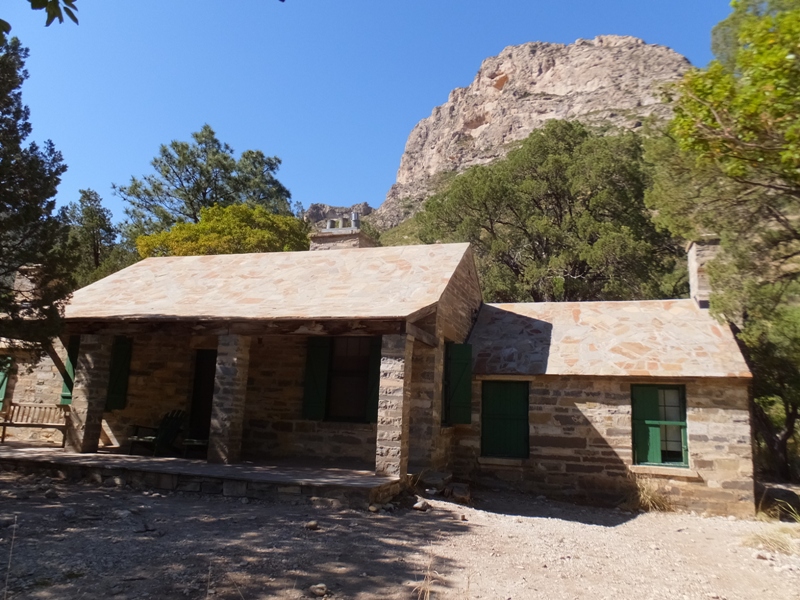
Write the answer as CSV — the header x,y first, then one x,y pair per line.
x,y
98,542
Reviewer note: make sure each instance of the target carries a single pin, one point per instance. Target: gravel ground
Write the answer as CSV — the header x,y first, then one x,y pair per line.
x,y
83,541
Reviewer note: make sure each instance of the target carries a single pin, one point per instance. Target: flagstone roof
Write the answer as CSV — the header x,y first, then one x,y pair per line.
x,y
660,338
353,283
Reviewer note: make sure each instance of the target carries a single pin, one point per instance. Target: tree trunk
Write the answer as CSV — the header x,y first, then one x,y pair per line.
x,y
777,440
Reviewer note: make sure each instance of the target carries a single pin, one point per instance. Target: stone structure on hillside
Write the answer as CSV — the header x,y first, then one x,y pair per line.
x,y
319,214
611,80
341,233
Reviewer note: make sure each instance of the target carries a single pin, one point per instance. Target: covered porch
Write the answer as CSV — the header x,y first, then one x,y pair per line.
x,y
256,391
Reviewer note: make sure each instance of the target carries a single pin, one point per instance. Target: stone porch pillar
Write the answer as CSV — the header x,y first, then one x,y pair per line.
x,y
89,393
230,389
394,406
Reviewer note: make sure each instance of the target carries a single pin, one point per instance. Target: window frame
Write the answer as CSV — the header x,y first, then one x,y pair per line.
x,y
336,372
319,374
647,431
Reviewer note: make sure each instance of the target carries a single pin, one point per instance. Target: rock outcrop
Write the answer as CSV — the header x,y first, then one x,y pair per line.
x,y
612,79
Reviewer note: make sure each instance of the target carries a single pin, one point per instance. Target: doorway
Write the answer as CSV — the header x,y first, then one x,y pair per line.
x,y
205,366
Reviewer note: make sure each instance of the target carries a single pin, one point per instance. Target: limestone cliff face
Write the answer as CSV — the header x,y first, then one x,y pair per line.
x,y
612,79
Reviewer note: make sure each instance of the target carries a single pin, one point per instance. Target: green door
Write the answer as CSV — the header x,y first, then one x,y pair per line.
x,y
504,419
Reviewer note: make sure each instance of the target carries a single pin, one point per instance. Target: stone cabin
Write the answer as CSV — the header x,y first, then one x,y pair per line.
x,y
388,356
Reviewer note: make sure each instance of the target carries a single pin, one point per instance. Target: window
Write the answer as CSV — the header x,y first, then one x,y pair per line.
x,y
505,432
457,389
659,425
342,379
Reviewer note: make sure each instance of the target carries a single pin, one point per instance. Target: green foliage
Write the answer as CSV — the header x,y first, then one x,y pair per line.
x,y
746,121
562,218
234,229
92,235
30,235
725,35
54,10
731,167
190,176
405,234
372,232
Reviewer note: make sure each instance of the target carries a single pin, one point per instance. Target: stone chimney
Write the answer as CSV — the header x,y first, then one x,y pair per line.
x,y
341,233
700,252
25,284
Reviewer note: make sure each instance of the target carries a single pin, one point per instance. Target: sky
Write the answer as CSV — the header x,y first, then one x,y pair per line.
x,y
333,88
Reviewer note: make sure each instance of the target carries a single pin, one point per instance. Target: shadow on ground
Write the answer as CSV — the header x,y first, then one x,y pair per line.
x,y
516,503
77,540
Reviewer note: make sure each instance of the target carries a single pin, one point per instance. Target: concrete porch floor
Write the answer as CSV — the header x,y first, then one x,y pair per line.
x,y
277,479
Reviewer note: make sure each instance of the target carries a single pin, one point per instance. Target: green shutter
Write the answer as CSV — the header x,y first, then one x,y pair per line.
x,y
5,373
120,370
646,439
505,432
315,392
458,384
73,347
374,379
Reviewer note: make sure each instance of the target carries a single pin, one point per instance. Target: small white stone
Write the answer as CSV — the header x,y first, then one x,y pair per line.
x,y
421,505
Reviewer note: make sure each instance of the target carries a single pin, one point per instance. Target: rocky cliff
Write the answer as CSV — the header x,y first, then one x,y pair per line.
x,y
612,79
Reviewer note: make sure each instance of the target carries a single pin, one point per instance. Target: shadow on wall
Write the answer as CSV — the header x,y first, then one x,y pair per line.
x,y
579,444
492,352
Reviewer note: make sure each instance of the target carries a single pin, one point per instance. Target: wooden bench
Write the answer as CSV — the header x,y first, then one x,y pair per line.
x,y
40,416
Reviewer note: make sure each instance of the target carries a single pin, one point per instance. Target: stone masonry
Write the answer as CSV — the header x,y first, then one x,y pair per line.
x,y
581,444
432,440
230,388
89,393
274,426
40,382
394,404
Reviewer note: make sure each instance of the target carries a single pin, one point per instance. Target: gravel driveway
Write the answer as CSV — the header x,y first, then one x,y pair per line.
x,y
74,540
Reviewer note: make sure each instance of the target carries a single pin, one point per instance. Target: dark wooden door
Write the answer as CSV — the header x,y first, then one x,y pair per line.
x,y
504,419
205,366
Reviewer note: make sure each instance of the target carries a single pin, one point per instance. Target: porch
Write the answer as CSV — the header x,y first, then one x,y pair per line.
x,y
352,484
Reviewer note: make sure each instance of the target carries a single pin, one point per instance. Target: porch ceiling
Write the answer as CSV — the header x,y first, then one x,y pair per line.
x,y
356,283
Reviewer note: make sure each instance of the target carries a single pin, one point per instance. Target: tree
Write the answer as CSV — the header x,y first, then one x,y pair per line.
x,y
31,237
725,35
235,229
92,234
53,9
734,171
562,218
194,175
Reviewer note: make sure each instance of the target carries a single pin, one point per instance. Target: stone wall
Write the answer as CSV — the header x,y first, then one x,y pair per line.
x,y
394,405
339,240
581,444
89,393
274,424
426,402
230,390
432,442
40,383
160,381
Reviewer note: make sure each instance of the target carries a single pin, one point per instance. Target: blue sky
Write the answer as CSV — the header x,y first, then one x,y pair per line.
x,y
332,88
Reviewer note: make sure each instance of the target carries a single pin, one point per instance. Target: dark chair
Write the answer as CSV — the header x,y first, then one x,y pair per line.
x,y
161,440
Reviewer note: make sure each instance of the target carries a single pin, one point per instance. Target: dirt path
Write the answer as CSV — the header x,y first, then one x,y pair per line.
x,y
82,541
